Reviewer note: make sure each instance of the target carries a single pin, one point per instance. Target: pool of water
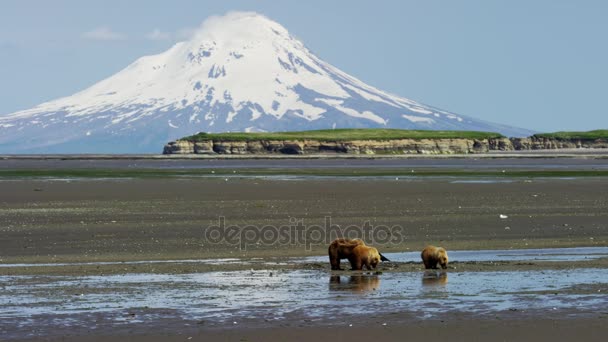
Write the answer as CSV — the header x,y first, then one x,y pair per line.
x,y
314,295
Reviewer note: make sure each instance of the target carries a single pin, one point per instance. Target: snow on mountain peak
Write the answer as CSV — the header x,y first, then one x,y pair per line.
x,y
238,27
241,71
238,58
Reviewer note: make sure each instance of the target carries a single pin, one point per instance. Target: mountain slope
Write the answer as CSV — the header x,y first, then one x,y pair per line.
x,y
240,72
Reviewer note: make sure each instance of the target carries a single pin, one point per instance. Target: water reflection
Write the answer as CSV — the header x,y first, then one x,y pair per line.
x,y
434,278
356,283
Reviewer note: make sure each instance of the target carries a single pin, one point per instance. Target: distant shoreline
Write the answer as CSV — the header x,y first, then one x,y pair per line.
x,y
561,153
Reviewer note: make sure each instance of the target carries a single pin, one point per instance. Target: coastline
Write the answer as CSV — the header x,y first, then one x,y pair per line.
x,y
550,153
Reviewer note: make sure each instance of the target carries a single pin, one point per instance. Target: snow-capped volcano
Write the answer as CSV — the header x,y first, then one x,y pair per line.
x,y
239,72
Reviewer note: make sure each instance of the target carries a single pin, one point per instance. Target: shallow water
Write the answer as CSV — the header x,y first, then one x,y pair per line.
x,y
222,261
412,162
38,305
482,181
316,295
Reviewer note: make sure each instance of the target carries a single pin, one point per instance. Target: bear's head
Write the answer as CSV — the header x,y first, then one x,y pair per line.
x,y
443,258
374,257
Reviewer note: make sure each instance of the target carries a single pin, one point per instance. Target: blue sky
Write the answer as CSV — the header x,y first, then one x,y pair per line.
x,y
539,64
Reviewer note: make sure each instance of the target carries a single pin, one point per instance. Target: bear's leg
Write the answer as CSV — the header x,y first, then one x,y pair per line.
x,y
334,260
356,264
368,263
430,264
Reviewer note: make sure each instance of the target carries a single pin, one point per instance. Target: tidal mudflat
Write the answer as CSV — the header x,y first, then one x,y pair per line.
x,y
127,257
164,218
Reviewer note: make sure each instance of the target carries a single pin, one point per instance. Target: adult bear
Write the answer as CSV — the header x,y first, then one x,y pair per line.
x,y
364,256
431,256
342,249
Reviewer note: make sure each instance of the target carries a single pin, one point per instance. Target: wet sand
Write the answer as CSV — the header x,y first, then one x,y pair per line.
x,y
459,329
455,329
166,218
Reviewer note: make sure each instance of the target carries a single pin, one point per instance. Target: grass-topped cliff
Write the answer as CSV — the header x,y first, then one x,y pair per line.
x,y
589,135
344,135
379,141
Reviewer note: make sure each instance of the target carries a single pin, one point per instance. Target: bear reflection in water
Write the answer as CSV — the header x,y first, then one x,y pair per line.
x,y
434,278
354,283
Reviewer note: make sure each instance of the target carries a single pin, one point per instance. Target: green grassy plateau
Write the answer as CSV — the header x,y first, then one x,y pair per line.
x,y
589,135
343,135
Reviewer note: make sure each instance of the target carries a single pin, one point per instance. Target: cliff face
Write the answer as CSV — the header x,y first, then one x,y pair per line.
x,y
403,146
534,143
397,146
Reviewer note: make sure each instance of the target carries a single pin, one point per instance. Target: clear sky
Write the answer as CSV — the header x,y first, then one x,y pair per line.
x,y
538,64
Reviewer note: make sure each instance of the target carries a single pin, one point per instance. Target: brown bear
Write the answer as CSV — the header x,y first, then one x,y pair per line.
x,y
431,256
342,249
364,256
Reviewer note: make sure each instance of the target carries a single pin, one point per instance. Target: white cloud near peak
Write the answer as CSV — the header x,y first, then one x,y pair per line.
x,y
157,34
185,33
104,33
